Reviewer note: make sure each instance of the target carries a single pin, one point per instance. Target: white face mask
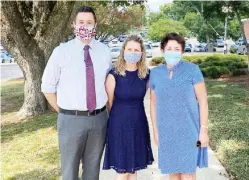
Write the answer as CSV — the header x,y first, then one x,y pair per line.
x,y
84,32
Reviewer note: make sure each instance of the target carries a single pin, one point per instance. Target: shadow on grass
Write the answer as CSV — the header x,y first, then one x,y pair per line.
x,y
32,124
229,122
38,174
11,96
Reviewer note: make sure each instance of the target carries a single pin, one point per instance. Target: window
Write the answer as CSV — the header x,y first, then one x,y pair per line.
x,y
147,46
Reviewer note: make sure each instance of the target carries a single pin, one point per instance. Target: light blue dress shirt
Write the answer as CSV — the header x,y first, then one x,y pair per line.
x,y
65,74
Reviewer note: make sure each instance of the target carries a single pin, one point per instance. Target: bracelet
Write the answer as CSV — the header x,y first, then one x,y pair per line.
x,y
204,126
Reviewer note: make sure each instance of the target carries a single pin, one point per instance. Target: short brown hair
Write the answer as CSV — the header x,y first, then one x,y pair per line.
x,y
85,9
172,36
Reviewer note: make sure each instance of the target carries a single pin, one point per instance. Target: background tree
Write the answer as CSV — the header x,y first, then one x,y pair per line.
x,y
30,32
154,17
163,26
236,10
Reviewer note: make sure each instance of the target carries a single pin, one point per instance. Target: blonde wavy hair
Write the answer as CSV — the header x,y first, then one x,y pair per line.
x,y
119,65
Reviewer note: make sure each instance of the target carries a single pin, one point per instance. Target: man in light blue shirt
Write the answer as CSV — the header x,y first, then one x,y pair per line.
x,y
73,83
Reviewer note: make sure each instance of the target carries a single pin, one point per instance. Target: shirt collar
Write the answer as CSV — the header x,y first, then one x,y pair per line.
x,y
80,45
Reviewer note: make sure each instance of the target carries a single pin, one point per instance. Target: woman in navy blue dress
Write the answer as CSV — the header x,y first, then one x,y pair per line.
x,y
128,147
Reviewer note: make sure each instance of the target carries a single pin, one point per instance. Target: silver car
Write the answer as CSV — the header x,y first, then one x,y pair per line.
x,y
148,50
115,52
242,48
6,58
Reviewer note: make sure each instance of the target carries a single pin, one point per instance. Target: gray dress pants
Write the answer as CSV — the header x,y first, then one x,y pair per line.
x,y
81,138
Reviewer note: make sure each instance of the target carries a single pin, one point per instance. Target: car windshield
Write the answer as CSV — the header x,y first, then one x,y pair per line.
x,y
147,46
115,50
219,40
114,42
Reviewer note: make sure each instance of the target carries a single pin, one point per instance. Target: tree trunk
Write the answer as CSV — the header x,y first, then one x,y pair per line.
x,y
34,101
208,43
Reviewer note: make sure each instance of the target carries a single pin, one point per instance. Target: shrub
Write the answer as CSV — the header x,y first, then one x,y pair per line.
x,y
224,70
157,60
213,58
217,65
204,72
233,51
213,72
238,72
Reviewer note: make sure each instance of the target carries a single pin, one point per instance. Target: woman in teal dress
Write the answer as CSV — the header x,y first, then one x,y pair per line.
x,y
179,112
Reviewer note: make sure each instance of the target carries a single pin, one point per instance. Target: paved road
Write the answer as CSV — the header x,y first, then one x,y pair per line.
x,y
10,71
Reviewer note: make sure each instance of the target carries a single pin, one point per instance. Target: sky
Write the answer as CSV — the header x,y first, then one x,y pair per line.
x,y
154,4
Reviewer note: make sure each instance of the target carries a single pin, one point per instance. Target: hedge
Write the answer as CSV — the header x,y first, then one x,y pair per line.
x,y
216,65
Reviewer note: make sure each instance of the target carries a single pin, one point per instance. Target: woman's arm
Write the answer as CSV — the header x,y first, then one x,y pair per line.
x,y
153,115
110,87
201,94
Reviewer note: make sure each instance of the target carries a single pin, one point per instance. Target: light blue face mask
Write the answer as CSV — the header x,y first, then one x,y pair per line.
x,y
172,57
132,57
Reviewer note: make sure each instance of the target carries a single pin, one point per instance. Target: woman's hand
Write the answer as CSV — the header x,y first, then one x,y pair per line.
x,y
203,137
156,137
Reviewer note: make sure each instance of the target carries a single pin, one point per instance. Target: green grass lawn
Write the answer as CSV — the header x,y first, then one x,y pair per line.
x,y
30,151
229,126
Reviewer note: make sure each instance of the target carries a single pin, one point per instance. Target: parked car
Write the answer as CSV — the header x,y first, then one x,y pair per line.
x,y
106,42
121,38
199,48
6,58
148,50
155,43
115,52
114,43
242,48
220,43
187,48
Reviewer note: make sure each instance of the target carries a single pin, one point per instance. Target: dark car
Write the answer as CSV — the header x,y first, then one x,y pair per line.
x,y
187,48
121,38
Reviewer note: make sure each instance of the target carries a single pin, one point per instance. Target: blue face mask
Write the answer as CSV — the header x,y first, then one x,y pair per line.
x,y
172,57
132,57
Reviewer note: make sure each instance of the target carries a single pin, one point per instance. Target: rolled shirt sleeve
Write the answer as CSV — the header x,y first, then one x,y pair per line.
x,y
51,73
197,75
151,81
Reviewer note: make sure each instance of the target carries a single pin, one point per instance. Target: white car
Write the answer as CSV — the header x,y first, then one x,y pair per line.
x,y
6,58
155,43
242,48
114,43
148,50
115,52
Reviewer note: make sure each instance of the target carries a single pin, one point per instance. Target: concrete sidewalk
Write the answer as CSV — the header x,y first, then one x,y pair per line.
x,y
215,171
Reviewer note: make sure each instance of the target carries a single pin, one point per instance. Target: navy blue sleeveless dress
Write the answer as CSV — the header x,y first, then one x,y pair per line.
x,y
128,147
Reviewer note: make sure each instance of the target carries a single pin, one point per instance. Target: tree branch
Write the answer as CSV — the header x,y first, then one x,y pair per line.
x,y
16,30
58,23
